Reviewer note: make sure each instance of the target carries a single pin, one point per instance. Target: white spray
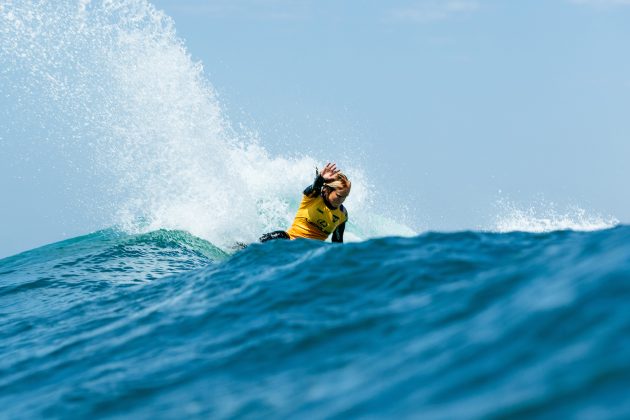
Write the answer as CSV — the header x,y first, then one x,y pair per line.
x,y
113,84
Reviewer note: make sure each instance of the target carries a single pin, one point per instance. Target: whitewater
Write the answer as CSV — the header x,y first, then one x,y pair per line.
x,y
156,314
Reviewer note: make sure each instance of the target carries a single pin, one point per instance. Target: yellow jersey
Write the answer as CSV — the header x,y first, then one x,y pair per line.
x,y
315,220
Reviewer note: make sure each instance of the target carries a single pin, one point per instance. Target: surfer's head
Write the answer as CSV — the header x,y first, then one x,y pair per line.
x,y
337,190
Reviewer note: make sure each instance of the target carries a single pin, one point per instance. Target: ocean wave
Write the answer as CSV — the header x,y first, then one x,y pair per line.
x,y
465,324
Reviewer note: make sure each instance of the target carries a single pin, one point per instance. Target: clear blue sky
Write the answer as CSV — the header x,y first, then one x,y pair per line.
x,y
450,101
449,105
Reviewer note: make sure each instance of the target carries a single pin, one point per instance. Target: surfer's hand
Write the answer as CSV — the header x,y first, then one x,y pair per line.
x,y
329,172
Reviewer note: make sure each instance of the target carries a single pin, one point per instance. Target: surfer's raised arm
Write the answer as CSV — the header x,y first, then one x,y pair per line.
x,y
321,211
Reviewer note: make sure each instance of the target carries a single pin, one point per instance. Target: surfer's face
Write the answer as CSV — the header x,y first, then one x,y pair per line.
x,y
337,197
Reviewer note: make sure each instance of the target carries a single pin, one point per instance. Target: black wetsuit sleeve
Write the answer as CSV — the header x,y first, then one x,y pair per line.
x,y
314,190
337,235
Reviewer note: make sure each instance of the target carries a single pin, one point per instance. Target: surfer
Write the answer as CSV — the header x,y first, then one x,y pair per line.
x,y
321,211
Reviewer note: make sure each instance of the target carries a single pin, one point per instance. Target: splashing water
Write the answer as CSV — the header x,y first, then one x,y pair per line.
x,y
547,217
119,98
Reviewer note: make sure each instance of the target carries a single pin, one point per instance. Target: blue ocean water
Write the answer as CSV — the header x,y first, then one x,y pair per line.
x,y
441,325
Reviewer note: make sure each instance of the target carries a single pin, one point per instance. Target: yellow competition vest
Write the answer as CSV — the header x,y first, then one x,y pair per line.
x,y
314,220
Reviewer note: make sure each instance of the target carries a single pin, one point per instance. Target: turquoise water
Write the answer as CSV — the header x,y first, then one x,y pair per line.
x,y
441,325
